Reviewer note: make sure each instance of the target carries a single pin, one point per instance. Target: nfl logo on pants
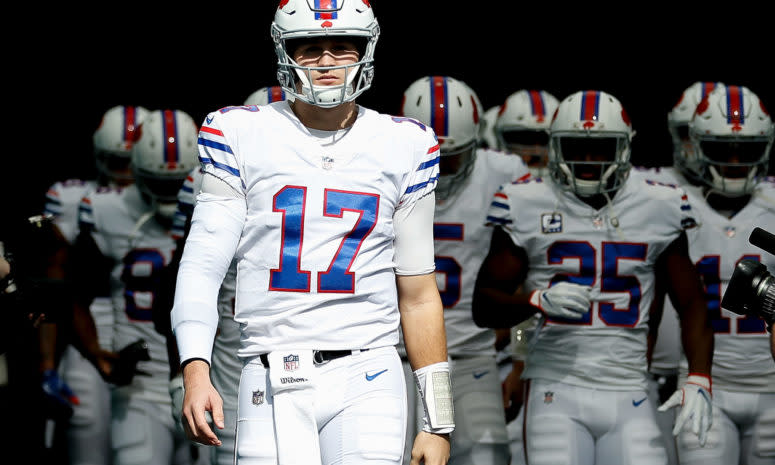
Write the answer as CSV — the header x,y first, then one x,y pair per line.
x,y
291,362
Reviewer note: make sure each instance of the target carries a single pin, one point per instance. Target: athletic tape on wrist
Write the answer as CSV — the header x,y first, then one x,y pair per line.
x,y
435,389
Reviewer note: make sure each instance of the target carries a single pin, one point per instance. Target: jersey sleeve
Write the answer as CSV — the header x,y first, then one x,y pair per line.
x,y
53,204
425,170
216,153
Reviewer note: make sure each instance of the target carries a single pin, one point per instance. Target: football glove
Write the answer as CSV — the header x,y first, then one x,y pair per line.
x,y
124,368
696,405
57,390
563,300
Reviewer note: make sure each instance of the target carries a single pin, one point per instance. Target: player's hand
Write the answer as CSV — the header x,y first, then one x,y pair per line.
x,y
696,405
201,397
57,390
563,300
430,449
123,366
512,389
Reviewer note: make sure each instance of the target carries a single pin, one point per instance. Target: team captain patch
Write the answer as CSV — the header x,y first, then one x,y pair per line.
x,y
551,223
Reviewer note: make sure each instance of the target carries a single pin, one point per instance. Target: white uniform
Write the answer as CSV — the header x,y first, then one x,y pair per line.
x,y
88,431
316,272
587,378
743,369
226,366
142,425
461,243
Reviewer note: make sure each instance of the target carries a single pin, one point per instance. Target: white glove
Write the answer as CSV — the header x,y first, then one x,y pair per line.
x,y
695,401
563,300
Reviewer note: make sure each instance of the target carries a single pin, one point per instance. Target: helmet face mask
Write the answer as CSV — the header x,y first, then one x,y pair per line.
x,y
589,148
452,109
732,135
298,22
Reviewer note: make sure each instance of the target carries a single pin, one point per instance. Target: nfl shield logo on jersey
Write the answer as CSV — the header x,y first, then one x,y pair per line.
x,y
291,362
258,397
551,223
548,397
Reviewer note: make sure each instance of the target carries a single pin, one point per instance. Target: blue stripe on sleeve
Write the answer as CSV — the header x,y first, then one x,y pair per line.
x,y
419,186
215,145
227,168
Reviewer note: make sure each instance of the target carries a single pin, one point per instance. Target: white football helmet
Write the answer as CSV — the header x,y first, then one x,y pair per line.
x,y
487,128
522,126
684,155
451,108
266,95
112,142
732,135
589,143
163,155
310,19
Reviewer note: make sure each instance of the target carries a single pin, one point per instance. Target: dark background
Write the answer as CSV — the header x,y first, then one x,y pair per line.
x,y
201,58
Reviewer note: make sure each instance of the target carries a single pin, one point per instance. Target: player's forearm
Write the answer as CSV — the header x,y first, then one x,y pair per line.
x,y
85,333
697,339
422,320
494,308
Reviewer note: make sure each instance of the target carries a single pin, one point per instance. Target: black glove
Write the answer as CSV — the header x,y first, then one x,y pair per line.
x,y
124,368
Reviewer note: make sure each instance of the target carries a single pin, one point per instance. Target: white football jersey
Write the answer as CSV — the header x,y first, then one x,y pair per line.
x,y
663,174
226,366
742,360
315,260
139,248
62,201
613,250
461,242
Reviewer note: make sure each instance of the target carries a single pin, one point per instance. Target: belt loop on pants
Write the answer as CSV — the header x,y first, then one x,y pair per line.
x,y
320,356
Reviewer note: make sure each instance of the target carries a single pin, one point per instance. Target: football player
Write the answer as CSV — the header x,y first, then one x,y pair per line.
x,y
468,177
88,429
328,208
124,240
584,244
732,134
522,127
665,332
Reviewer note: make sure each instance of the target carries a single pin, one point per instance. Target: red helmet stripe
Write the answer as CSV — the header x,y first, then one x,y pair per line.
x,y
170,133
439,106
590,102
130,117
537,105
735,110
707,87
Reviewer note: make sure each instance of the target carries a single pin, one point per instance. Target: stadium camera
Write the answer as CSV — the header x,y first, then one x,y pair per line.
x,y
751,290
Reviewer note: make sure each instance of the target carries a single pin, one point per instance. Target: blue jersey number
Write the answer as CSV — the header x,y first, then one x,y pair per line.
x,y
291,202
610,279
141,279
709,268
450,267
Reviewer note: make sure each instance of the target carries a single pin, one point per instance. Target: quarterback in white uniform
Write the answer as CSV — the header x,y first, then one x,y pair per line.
x,y
129,227
585,245
733,134
88,430
311,197
468,178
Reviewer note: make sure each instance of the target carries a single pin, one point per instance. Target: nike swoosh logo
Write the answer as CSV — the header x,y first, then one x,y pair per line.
x,y
371,377
479,375
638,402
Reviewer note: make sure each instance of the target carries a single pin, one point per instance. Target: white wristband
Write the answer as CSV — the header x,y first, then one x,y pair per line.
x,y
435,389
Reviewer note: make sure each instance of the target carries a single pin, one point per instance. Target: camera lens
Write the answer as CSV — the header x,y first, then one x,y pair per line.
x,y
751,291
